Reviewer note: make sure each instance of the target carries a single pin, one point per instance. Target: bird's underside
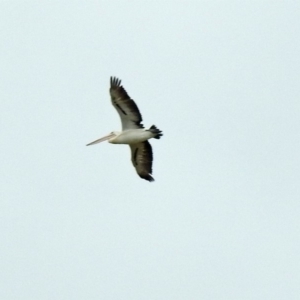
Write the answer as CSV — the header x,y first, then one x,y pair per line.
x,y
133,132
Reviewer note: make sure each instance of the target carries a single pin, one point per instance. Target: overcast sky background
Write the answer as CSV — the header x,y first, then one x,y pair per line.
x,y
221,220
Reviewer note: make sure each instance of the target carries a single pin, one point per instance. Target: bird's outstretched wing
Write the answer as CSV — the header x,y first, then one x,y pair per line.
x,y
142,157
130,115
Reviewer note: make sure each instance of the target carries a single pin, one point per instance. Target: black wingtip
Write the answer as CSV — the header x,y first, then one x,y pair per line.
x,y
150,179
147,177
115,82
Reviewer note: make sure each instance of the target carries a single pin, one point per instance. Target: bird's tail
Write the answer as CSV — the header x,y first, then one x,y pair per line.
x,y
157,133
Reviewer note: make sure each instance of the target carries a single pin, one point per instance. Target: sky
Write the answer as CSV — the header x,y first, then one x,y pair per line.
x,y
221,220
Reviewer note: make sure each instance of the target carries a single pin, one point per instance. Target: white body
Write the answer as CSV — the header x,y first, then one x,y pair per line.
x,y
131,136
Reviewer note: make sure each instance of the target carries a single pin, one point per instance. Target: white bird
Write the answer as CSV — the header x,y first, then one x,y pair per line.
x,y
133,132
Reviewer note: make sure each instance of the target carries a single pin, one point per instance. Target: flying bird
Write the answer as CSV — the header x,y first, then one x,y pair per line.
x,y
133,132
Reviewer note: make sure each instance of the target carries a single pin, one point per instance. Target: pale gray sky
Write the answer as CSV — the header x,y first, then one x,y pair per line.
x,y
221,221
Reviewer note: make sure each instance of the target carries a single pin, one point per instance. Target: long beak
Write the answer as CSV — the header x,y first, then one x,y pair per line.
x,y
105,138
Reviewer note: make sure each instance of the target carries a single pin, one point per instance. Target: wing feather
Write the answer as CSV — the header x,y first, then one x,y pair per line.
x,y
130,115
142,157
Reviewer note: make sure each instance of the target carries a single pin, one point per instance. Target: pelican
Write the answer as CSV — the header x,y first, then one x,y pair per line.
x,y
133,132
